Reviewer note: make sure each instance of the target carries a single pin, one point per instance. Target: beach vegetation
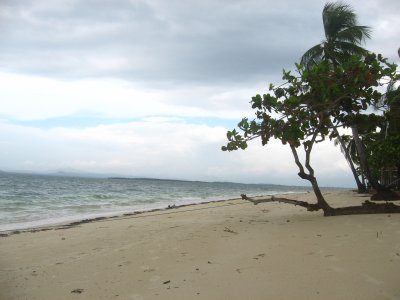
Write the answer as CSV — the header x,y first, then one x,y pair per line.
x,y
343,38
335,86
310,106
368,153
384,146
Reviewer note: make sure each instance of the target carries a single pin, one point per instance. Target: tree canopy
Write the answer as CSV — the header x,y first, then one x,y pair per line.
x,y
343,38
311,104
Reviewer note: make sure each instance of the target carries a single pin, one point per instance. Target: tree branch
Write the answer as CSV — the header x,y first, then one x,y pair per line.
x,y
309,206
308,147
367,207
302,173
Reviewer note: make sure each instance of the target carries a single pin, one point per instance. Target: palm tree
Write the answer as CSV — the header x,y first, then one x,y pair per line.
x,y
347,146
343,36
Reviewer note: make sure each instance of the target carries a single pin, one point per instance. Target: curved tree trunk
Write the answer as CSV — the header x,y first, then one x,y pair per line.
x,y
364,163
360,186
321,202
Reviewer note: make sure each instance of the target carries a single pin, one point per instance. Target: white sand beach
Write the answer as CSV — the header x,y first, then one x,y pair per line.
x,y
220,250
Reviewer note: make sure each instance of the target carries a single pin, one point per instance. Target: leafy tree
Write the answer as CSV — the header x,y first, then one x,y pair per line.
x,y
385,145
343,37
309,107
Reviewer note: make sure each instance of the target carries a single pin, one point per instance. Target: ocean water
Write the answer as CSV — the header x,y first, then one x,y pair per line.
x,y
28,201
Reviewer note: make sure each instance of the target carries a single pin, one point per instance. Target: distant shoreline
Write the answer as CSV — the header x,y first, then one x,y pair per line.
x,y
85,175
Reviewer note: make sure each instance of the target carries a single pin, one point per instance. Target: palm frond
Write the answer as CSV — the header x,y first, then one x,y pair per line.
x,y
345,49
343,36
354,34
312,56
337,16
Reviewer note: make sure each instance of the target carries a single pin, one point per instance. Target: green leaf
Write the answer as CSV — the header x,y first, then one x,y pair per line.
x,y
257,101
279,92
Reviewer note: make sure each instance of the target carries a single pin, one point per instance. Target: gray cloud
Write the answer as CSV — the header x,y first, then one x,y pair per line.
x,y
170,45
193,41
191,59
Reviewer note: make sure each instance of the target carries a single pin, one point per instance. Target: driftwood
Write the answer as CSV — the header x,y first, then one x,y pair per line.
x,y
385,196
309,206
367,207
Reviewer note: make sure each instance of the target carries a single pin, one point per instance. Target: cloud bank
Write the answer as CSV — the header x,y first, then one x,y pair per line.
x,y
149,87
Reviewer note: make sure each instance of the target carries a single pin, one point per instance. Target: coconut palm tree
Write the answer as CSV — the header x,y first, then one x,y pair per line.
x,y
347,146
343,36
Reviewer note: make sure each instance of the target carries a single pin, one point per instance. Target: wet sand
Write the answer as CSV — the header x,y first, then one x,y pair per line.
x,y
219,250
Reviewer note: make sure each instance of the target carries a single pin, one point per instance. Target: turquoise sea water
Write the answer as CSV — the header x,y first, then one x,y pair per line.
x,y
34,200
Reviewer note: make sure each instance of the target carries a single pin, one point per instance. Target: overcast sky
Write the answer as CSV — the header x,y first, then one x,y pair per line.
x,y
149,88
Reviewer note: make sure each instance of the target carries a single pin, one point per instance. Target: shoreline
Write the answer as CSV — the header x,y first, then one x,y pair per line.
x,y
77,222
111,215
230,249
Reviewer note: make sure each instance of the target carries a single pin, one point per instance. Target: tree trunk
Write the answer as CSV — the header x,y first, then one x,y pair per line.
x,y
398,176
321,203
360,186
367,207
320,198
364,163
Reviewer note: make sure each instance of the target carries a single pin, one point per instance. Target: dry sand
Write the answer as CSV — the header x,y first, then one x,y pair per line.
x,y
221,250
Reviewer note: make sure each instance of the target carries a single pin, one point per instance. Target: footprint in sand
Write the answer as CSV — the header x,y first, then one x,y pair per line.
x,y
332,257
371,279
154,279
147,269
124,263
337,269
